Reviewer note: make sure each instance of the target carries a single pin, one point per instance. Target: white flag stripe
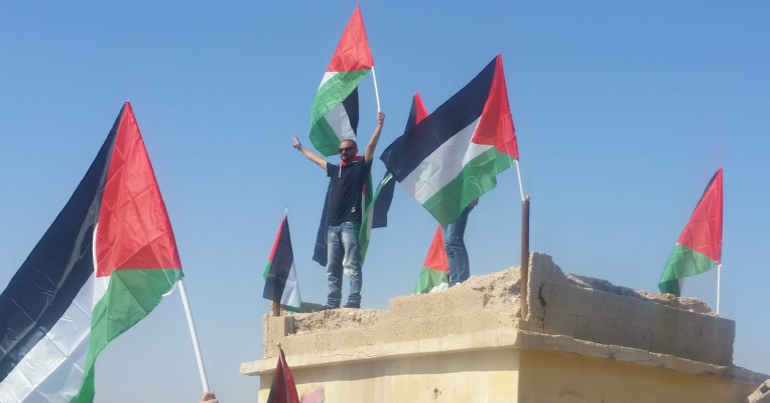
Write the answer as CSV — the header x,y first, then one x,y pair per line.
x,y
442,166
339,121
291,296
327,75
66,338
64,382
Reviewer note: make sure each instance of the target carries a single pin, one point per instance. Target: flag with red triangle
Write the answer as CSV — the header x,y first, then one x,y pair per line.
x,y
283,389
334,114
281,282
699,247
435,270
101,267
454,155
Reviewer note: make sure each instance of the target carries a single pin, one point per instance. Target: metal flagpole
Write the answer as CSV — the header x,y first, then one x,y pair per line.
x,y
521,186
376,90
194,337
719,283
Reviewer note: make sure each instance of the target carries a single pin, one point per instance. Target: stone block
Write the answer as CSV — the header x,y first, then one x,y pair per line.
x,y
761,394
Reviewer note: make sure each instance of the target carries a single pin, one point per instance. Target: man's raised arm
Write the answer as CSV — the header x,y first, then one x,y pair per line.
x,y
309,154
369,152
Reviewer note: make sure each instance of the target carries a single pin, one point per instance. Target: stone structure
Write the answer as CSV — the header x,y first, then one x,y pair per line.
x,y
574,339
762,394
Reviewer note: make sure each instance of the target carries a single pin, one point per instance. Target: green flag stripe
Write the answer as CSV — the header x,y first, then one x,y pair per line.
x,y
682,262
267,270
324,138
478,176
329,95
334,91
131,295
430,278
364,233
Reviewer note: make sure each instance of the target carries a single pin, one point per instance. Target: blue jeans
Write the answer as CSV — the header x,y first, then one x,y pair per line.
x,y
459,266
342,253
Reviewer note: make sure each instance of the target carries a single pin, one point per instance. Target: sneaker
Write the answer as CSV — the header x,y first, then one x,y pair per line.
x,y
327,307
352,305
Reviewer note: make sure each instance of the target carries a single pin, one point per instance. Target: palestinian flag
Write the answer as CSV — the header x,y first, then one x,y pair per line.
x,y
699,247
281,283
101,267
435,270
454,155
334,115
377,206
283,389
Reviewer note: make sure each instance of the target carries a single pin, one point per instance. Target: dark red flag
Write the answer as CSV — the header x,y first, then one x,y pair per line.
x,y
283,389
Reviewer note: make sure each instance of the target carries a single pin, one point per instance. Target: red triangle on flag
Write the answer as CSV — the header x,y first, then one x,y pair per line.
x,y
420,113
283,389
703,233
133,230
496,123
352,51
437,258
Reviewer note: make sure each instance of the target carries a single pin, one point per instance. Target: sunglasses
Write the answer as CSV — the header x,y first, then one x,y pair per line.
x,y
351,148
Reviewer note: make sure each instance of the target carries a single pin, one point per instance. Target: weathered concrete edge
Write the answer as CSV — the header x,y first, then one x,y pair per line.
x,y
482,340
511,337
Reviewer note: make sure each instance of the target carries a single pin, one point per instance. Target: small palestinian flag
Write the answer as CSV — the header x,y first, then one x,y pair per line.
x,y
283,389
101,267
699,247
281,284
334,114
454,155
435,270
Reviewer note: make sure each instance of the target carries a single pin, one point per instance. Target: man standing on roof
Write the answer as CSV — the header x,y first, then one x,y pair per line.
x,y
343,211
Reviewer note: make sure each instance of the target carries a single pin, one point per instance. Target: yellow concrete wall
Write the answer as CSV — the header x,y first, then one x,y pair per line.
x,y
467,377
548,377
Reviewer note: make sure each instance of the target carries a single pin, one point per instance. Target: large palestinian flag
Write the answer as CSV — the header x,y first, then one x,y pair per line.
x,y
699,247
334,114
454,155
281,284
435,270
101,267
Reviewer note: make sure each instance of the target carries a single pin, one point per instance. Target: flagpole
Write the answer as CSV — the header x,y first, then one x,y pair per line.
x,y
521,186
376,90
194,337
719,283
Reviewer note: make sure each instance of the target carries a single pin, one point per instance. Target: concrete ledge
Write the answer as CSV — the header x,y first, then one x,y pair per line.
x,y
579,337
456,343
596,310
505,338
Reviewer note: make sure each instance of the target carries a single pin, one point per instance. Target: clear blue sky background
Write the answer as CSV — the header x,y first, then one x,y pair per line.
x,y
623,112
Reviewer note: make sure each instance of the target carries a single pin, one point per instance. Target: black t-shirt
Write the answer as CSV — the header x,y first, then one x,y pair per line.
x,y
345,194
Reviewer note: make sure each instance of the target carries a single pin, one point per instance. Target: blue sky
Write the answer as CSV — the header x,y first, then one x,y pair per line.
x,y
623,112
